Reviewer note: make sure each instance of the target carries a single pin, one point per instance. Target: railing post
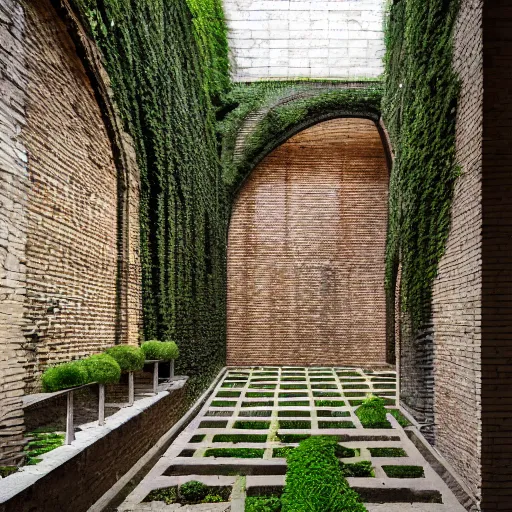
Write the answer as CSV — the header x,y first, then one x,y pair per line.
x,y
101,405
155,378
70,428
131,389
171,371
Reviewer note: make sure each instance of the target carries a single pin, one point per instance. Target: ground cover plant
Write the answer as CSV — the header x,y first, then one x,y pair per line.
x,y
387,452
213,424
315,481
293,386
263,504
293,413
252,425
332,414
282,452
355,386
41,441
268,403
329,403
292,438
233,385
128,357
294,424
348,374
223,403
324,386
5,471
239,438
319,394
402,420
256,413
404,471
240,453
336,424
299,403
226,394
372,413
358,469
263,394
262,386
298,394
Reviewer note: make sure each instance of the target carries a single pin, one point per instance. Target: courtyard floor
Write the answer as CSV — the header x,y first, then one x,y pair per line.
x,y
237,443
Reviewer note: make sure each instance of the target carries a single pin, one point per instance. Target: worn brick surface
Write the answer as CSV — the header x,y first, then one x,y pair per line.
x,y
457,289
306,251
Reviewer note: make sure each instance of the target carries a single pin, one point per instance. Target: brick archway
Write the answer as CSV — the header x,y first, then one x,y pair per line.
x,y
306,251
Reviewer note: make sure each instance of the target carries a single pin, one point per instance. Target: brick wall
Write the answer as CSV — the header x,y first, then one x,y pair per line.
x,y
13,191
79,482
457,289
69,229
312,38
306,251
497,258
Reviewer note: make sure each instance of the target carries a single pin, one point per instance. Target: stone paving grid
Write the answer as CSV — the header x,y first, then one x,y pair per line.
x,y
246,408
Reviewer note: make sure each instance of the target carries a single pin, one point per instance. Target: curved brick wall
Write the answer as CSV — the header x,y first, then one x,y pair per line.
x,y
306,251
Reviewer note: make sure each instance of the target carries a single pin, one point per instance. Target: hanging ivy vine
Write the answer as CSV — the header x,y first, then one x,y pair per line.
x,y
419,108
167,61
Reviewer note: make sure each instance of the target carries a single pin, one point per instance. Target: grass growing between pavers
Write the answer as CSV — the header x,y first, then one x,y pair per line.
x,y
228,394
299,403
292,438
336,424
329,403
332,414
323,386
267,403
252,425
262,394
262,386
233,384
41,441
223,403
297,394
240,438
387,452
293,386
192,492
213,424
239,453
404,471
263,504
293,379
402,420
348,374
198,438
358,469
282,452
355,386
295,424
296,414
255,413
320,394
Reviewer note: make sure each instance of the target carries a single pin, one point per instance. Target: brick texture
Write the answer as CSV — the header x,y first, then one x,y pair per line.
x,y
497,258
457,289
306,251
81,481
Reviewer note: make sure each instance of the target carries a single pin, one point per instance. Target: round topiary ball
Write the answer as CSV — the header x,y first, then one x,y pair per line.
x,y
193,491
129,358
102,368
64,376
164,350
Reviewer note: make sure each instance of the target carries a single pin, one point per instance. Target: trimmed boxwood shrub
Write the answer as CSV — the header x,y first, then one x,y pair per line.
x,y
102,368
64,376
315,482
129,358
372,413
165,350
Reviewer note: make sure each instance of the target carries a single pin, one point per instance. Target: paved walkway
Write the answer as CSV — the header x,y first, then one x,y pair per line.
x,y
266,409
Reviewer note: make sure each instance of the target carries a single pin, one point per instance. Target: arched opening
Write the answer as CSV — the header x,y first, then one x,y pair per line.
x,y
306,251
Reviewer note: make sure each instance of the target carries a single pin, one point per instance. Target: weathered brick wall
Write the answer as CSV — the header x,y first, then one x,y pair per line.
x,y
81,481
306,251
457,289
13,191
312,38
497,258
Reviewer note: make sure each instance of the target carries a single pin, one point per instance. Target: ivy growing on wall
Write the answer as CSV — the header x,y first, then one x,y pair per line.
x,y
167,61
265,112
419,108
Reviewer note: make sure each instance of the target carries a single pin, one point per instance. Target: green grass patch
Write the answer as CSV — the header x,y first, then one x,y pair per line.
x,y
233,385
348,374
299,403
283,414
240,438
239,453
252,425
255,413
322,379
319,394
262,386
262,394
168,495
213,424
298,394
293,379
223,403
384,386
263,504
197,438
332,414
387,452
323,386
372,413
268,403
358,469
336,424
343,452
294,424
402,420
329,403
281,452
294,386
404,471
228,394
355,386
292,438
5,471
355,393
40,442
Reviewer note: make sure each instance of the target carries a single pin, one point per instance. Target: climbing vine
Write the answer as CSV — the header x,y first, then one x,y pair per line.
x,y
419,108
268,110
167,61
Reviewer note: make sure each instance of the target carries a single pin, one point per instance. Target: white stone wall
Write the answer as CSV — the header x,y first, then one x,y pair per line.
x,y
314,39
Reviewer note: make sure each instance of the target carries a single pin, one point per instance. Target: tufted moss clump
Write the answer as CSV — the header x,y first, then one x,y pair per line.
x,y
165,350
315,481
129,358
372,413
419,108
64,376
102,368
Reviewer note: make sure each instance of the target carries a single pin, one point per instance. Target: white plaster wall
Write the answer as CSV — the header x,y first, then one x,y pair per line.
x,y
297,38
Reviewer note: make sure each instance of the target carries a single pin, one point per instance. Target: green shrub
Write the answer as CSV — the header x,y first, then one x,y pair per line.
x,y
372,413
315,482
404,471
387,452
402,420
102,368
160,350
239,453
64,376
128,357
213,498
358,469
263,504
193,491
